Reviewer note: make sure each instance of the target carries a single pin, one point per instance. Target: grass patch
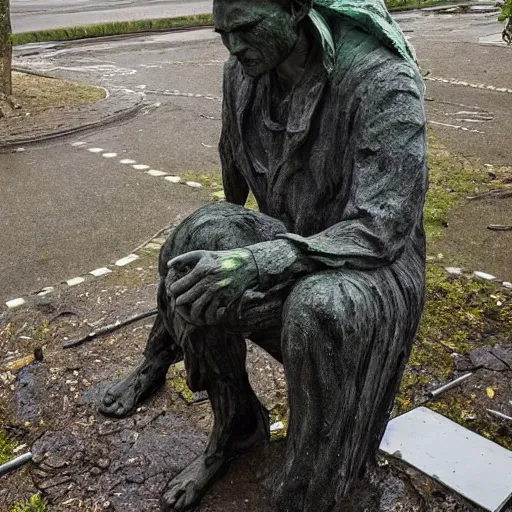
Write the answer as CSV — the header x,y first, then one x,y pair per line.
x,y
451,180
34,504
7,447
460,315
404,5
111,29
36,93
177,381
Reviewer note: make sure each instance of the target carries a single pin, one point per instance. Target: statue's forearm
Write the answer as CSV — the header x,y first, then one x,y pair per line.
x,y
279,262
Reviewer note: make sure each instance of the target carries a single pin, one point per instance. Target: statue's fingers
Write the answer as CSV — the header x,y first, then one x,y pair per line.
x,y
193,293
202,303
188,281
187,261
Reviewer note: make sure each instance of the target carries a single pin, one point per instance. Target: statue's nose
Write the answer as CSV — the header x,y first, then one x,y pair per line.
x,y
236,45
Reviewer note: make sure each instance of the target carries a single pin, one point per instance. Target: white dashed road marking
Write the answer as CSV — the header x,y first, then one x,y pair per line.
x,y
454,81
128,259
95,150
75,281
157,174
127,161
455,127
140,167
193,184
109,155
15,303
100,272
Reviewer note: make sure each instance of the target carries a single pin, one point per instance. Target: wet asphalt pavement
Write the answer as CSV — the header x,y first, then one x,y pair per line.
x,y
67,211
31,15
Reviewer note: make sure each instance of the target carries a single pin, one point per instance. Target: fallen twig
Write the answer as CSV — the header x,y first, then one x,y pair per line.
x,y
15,463
499,227
499,414
492,194
450,385
108,329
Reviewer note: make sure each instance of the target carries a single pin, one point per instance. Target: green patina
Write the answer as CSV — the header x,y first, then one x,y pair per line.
x,y
230,264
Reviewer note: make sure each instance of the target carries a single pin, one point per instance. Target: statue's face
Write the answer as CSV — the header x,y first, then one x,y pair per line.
x,y
259,33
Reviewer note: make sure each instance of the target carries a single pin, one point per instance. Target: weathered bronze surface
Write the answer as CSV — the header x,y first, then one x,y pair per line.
x,y
323,120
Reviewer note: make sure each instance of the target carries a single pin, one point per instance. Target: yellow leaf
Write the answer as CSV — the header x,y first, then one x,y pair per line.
x,y
490,393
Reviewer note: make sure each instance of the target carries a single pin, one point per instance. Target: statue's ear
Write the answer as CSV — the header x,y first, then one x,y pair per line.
x,y
300,9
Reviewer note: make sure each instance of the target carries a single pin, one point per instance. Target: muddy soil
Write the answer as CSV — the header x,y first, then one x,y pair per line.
x,y
86,462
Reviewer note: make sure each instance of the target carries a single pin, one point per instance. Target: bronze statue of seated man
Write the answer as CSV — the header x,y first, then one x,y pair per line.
x,y
323,120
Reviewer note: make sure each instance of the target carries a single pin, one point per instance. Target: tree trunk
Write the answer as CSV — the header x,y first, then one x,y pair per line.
x,y
5,49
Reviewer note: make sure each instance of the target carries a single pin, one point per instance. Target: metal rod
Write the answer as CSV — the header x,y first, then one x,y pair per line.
x,y
450,385
15,463
109,328
499,414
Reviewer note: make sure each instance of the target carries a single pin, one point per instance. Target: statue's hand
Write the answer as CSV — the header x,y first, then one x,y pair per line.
x,y
212,280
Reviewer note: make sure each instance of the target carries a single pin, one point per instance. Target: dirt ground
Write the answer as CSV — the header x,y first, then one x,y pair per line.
x,y
36,93
43,102
86,462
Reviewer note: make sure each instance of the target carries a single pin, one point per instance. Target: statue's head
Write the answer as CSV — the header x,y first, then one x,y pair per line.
x,y
260,33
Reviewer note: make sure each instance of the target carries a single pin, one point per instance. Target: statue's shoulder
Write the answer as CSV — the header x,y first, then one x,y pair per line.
x,y
363,63
360,53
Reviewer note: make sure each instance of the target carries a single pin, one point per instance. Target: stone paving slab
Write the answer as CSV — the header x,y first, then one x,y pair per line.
x,y
473,466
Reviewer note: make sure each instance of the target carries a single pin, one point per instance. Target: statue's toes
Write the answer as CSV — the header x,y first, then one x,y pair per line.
x,y
108,399
116,405
179,497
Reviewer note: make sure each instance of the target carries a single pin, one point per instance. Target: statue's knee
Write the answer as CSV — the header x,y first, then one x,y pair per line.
x,y
208,228
305,313
325,314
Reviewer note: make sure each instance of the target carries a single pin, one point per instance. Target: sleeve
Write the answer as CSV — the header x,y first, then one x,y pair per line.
x,y
236,189
389,178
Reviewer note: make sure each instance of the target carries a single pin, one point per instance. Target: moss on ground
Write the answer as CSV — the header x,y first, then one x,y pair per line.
x,y
461,314
35,504
7,446
36,93
451,180
177,380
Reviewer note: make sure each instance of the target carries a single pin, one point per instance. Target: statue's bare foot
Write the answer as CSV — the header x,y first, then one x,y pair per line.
x,y
189,486
122,398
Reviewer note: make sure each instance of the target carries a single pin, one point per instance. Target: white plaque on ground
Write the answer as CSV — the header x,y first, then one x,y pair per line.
x,y
471,465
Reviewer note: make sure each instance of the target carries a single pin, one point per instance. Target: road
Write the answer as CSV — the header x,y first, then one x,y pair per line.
x,y
31,15
70,211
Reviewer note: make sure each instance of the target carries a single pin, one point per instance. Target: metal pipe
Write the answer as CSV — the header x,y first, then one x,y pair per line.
x,y
499,414
15,463
450,385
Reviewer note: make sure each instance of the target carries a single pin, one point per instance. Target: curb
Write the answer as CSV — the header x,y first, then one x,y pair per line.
x,y
133,100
